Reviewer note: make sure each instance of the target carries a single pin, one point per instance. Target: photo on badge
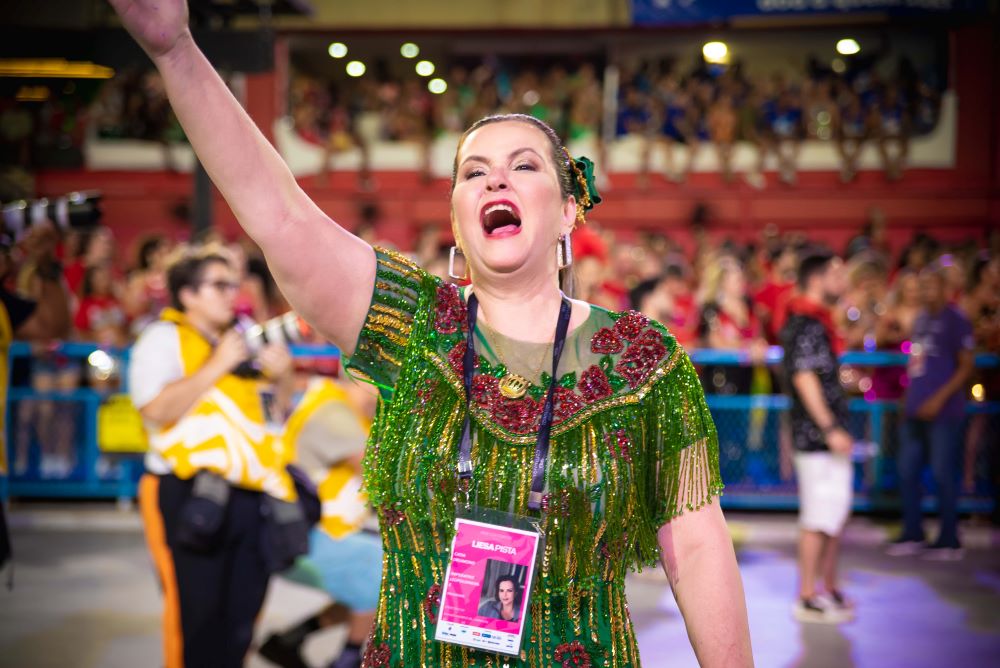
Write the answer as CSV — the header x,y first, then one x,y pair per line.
x,y
487,586
503,592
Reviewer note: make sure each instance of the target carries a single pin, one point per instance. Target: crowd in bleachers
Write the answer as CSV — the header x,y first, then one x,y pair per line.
x,y
719,107
705,108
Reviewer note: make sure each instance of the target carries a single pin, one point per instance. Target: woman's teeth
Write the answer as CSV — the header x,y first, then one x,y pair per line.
x,y
498,216
499,207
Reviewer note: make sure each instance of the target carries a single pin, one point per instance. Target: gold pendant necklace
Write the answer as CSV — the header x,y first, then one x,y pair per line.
x,y
514,386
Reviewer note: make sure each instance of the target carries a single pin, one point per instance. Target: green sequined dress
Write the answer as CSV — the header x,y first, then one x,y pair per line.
x,y
633,446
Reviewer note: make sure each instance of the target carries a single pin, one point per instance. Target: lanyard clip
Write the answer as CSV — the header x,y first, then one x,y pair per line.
x,y
465,469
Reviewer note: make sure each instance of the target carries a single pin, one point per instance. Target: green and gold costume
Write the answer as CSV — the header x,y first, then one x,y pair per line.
x,y
633,446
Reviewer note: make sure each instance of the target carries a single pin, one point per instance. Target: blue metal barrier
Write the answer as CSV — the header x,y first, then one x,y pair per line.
x,y
749,462
753,476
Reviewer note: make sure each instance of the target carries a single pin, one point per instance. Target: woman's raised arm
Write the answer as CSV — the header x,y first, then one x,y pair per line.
x,y
325,272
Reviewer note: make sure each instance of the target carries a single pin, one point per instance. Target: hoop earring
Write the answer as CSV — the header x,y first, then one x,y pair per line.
x,y
564,251
455,250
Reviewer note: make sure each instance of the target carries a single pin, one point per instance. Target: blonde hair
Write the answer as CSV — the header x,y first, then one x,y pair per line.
x,y
715,270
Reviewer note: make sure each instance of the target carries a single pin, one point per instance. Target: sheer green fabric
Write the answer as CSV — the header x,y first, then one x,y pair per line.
x,y
633,446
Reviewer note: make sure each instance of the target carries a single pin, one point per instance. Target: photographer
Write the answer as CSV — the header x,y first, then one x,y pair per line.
x,y
218,505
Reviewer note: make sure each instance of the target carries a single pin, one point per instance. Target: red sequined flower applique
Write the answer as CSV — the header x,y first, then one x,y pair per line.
x,y
630,325
377,656
641,357
519,416
618,444
566,404
425,395
485,390
392,516
432,601
456,358
572,655
606,342
556,503
450,313
616,547
594,385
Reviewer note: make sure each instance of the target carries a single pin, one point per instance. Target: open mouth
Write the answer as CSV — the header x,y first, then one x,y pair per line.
x,y
500,219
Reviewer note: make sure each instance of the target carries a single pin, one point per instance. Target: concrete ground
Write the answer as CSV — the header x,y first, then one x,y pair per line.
x,y
85,597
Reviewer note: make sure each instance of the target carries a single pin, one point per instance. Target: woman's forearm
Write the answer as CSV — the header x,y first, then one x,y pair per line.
x,y
325,272
248,171
698,557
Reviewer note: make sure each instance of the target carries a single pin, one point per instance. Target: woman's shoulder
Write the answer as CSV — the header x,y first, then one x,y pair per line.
x,y
401,283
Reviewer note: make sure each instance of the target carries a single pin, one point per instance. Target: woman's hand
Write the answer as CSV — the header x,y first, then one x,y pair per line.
x,y
157,25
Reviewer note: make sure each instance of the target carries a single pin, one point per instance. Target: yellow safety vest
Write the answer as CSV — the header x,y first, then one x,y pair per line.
x,y
344,506
225,431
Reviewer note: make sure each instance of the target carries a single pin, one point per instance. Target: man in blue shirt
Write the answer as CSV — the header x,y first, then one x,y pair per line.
x,y
941,361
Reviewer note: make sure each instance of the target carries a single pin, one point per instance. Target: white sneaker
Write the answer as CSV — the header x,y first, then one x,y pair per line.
x,y
837,600
819,610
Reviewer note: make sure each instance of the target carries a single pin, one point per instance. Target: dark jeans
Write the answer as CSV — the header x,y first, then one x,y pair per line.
x,y
942,441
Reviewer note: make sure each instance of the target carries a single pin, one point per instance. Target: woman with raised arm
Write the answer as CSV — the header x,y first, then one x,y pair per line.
x,y
483,376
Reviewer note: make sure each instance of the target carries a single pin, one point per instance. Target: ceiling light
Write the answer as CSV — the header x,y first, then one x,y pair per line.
x,y
715,52
356,68
848,47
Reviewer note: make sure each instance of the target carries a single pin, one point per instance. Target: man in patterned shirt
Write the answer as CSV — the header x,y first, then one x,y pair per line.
x,y
822,444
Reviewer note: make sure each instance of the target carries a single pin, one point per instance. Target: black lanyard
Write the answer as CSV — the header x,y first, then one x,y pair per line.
x,y
544,428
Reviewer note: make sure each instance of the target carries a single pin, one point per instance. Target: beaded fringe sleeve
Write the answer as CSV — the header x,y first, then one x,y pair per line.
x,y
382,343
633,446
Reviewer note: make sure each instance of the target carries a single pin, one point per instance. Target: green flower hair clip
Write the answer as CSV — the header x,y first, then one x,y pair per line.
x,y
584,186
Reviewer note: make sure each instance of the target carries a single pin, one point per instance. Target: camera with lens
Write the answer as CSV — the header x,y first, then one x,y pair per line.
x,y
77,210
288,329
